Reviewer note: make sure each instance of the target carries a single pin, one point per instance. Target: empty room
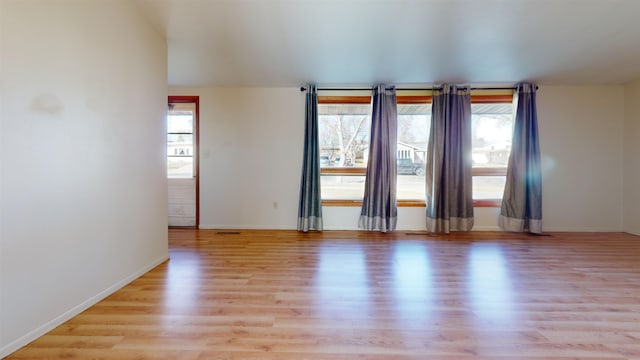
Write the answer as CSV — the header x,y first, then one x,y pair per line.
x,y
321,179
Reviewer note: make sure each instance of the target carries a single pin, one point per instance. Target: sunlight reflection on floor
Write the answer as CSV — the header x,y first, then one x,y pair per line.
x,y
490,283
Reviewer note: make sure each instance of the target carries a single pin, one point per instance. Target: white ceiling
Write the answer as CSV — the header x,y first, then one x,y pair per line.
x,y
277,43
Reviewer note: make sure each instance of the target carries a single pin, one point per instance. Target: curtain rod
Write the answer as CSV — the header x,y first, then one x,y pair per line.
x,y
302,88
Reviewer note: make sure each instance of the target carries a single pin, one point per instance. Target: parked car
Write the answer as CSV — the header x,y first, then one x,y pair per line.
x,y
324,160
408,167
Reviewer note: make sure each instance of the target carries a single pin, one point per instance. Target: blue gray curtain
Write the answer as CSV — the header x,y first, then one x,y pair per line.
x,y
379,209
449,179
522,200
310,207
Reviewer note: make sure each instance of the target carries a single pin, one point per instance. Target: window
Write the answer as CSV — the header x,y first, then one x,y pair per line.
x,y
414,123
180,149
344,124
492,127
344,127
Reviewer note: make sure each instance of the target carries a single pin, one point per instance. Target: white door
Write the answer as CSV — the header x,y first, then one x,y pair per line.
x,y
182,163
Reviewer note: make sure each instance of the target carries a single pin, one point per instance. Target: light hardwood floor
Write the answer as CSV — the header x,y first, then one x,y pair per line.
x,y
356,295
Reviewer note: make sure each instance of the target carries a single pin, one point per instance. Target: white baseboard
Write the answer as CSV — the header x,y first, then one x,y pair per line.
x,y
632,232
579,229
355,228
342,227
52,324
246,227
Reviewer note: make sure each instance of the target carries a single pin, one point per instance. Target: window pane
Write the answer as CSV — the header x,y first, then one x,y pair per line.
x,y
344,131
492,126
179,167
488,187
414,121
180,140
342,187
411,187
180,145
180,122
344,134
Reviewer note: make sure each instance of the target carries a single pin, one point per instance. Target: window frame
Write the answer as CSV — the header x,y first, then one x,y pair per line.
x,y
411,99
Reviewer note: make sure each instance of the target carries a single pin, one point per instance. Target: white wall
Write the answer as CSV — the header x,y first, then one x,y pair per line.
x,y
250,156
581,132
632,158
83,190
251,143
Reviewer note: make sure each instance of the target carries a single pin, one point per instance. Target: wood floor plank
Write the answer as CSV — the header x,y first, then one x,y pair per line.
x,y
251,294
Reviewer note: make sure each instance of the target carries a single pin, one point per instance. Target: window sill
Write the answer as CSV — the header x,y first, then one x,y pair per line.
x,y
342,203
494,203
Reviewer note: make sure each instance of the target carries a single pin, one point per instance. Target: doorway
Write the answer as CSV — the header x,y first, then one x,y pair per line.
x,y
182,161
